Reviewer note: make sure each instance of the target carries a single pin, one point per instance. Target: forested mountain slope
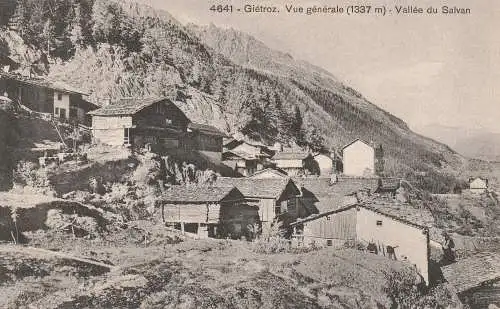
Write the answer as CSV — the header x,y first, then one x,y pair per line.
x,y
229,79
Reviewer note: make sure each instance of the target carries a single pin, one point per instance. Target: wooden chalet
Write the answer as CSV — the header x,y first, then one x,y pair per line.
x,y
327,226
157,122
296,163
246,158
277,199
216,212
44,96
476,279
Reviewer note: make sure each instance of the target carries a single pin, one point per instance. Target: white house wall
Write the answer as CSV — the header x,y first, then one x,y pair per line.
x,y
325,164
289,163
411,241
63,103
110,130
359,160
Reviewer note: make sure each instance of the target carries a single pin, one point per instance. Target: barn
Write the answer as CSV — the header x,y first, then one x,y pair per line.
x,y
276,198
157,122
328,226
476,279
209,211
358,159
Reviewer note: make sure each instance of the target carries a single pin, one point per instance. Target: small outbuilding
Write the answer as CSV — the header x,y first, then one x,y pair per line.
x,y
209,211
478,185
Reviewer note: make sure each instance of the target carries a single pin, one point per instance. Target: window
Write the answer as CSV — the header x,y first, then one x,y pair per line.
x,y
56,111
379,222
328,218
329,242
62,112
59,96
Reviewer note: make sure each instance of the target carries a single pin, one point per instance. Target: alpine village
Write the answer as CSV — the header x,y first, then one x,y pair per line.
x,y
144,164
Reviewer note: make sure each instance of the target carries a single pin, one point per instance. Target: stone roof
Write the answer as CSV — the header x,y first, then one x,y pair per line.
x,y
291,156
330,196
128,106
205,128
277,172
472,272
40,82
420,218
200,194
258,188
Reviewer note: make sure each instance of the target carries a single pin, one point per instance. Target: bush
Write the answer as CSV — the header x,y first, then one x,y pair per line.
x,y
401,288
27,174
271,245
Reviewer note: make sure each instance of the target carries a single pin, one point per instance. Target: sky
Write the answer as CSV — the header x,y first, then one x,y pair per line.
x,y
424,69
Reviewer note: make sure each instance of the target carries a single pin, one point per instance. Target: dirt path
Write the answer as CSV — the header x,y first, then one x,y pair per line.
x,y
43,253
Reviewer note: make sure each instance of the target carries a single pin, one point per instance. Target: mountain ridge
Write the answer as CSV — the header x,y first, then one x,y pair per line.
x,y
127,49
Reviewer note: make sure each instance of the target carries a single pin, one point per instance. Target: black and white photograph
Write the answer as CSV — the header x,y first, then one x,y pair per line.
x,y
242,154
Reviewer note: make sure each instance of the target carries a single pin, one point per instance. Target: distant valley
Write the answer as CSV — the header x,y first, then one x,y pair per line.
x,y
478,144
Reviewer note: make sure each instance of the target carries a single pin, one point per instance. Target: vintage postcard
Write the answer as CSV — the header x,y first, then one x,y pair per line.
x,y
249,154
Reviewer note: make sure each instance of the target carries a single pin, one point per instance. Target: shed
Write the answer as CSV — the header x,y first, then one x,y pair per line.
x,y
476,279
208,211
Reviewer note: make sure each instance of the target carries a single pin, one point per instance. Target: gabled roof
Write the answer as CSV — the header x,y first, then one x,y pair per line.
x,y
40,82
476,178
472,272
291,156
330,196
199,194
127,106
406,214
258,188
206,129
241,154
278,173
354,141
324,214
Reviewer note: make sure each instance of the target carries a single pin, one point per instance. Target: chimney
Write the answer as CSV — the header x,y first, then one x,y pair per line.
x,y
106,101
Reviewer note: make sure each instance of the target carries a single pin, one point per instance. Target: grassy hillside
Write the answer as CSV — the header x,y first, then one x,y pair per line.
x,y
228,79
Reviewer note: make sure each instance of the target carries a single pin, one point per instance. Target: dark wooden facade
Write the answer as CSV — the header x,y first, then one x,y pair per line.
x,y
225,216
